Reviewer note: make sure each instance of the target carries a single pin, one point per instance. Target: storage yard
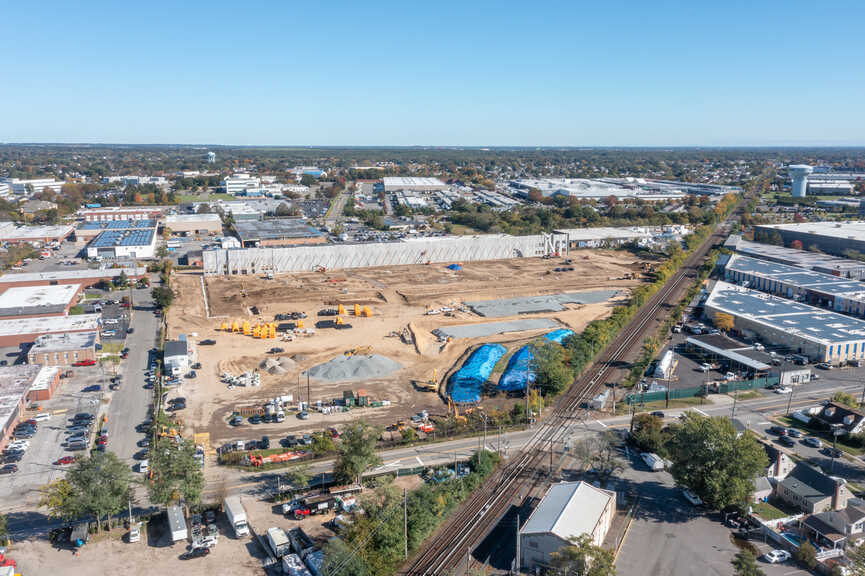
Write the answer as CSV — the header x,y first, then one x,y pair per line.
x,y
389,356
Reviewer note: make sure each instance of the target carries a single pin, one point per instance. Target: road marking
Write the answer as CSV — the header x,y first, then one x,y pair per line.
x,y
601,423
419,461
763,423
698,411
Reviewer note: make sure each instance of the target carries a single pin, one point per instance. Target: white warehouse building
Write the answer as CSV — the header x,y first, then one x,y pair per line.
x,y
821,335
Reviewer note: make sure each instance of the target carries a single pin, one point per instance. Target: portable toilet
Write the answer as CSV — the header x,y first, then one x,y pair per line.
x,y
357,309
340,310
246,328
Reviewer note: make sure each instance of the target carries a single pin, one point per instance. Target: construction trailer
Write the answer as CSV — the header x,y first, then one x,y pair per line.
x,y
176,523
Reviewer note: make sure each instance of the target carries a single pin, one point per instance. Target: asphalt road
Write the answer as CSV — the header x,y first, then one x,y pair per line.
x,y
130,405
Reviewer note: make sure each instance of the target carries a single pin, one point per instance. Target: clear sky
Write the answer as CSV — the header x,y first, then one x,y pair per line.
x,y
572,73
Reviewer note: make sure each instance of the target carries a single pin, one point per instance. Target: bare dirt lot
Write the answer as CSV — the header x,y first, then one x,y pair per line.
x,y
398,298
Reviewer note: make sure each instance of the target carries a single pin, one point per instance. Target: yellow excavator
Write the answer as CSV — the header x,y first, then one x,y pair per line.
x,y
453,411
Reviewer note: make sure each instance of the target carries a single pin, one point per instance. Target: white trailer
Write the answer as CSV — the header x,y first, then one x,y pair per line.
x,y
653,461
176,523
236,515
279,543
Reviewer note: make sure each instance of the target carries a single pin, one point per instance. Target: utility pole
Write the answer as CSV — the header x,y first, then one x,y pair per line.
x,y
551,458
735,398
405,521
789,401
517,556
528,414
308,397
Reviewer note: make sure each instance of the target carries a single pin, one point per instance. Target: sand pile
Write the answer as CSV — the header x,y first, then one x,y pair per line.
x,y
356,367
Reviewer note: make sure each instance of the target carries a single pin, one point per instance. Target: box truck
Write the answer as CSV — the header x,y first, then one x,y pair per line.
x,y
236,516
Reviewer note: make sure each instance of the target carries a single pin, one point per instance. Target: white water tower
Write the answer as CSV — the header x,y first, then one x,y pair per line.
x,y
799,175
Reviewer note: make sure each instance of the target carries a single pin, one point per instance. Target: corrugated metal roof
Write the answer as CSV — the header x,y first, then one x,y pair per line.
x,y
568,510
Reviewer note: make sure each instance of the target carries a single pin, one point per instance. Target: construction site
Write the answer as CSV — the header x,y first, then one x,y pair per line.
x,y
310,351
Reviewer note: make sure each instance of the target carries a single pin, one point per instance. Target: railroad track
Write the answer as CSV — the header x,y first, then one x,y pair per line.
x,y
466,528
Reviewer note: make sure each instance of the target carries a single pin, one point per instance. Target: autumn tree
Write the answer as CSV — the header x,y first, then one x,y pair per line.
x,y
724,322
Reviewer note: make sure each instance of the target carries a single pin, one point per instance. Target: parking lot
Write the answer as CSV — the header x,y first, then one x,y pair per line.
x,y
81,393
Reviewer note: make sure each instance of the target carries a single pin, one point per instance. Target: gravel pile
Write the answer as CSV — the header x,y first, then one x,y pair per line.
x,y
356,367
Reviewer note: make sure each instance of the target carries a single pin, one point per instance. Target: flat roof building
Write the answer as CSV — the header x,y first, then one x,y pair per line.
x,y
613,236
821,335
87,231
16,387
24,187
277,232
417,184
567,510
36,301
205,224
13,234
85,278
807,259
16,331
815,288
121,213
830,237
63,349
590,189
238,183
128,243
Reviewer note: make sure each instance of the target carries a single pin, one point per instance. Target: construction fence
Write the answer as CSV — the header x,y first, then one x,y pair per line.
x,y
693,391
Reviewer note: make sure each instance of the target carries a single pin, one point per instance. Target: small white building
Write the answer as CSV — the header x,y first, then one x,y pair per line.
x,y
238,183
567,511
176,356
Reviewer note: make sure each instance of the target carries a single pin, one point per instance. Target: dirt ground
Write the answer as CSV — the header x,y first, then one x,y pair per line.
x,y
110,554
399,297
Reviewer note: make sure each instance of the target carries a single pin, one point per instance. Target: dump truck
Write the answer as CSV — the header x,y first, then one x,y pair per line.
x,y
236,515
279,543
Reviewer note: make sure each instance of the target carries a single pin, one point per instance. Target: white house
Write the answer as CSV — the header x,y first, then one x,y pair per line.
x,y
176,357
567,511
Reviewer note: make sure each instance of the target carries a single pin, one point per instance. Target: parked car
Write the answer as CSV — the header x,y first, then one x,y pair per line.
x,y
832,452
778,430
65,460
824,366
692,498
9,469
195,553
786,441
207,342
658,414
255,419
794,433
813,442
776,556
783,390
88,362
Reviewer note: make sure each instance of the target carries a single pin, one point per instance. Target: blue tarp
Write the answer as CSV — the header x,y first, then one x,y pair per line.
x,y
454,267
514,376
467,383
558,335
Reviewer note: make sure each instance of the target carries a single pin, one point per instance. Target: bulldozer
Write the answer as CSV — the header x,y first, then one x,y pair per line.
x,y
363,350
430,385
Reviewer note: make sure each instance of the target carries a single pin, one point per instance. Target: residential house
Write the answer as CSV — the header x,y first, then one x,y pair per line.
x,y
812,491
850,420
567,511
780,465
838,528
176,357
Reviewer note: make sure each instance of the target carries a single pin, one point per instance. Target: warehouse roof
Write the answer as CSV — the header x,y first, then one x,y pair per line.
x,y
49,325
60,275
117,224
131,237
25,300
15,382
826,283
66,341
851,229
726,348
568,510
412,181
801,258
44,377
805,321
9,231
175,348
274,229
205,217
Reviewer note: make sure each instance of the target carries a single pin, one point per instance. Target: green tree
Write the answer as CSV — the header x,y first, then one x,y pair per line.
x,y
552,374
845,399
121,280
308,180
162,251
583,558
175,473
162,296
298,476
806,555
98,485
745,564
322,443
648,433
712,460
4,530
357,451
856,555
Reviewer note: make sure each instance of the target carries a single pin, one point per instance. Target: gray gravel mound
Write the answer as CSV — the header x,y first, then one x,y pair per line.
x,y
356,367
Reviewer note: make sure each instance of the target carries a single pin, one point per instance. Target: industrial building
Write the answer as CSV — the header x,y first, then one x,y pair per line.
x,y
10,233
407,251
197,224
129,243
23,187
744,358
238,183
120,213
588,189
63,349
176,356
17,331
606,236
820,187
87,231
815,288
37,301
807,259
830,237
16,383
277,232
85,278
567,511
820,335
415,184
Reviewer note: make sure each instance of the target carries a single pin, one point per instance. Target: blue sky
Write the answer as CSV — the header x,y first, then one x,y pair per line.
x,y
477,73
